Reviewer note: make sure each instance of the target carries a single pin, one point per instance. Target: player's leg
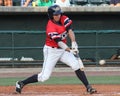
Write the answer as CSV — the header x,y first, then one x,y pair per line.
x,y
81,75
71,61
22,83
44,75
50,59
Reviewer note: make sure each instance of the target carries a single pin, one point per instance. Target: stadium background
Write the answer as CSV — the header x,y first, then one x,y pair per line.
x,y
22,34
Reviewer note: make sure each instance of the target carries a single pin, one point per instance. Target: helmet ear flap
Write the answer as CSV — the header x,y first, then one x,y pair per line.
x,y
50,14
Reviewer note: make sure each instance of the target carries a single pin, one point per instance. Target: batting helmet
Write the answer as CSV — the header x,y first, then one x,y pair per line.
x,y
53,10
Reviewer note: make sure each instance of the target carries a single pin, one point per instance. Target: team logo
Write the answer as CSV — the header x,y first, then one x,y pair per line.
x,y
56,8
64,35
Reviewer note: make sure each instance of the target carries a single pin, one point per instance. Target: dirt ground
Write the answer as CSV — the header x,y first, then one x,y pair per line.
x,y
59,90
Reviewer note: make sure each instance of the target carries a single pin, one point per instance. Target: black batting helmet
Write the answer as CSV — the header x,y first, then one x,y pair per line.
x,y
54,9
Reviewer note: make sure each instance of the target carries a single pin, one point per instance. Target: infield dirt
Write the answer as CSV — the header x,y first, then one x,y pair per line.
x,y
59,90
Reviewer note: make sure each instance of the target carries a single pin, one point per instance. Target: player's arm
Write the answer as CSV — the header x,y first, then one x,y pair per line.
x,y
73,40
68,26
63,45
58,39
71,35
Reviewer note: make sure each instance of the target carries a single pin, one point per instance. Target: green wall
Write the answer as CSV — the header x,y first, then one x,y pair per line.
x,y
80,21
91,30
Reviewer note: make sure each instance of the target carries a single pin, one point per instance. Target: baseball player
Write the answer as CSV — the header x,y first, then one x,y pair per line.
x,y
56,49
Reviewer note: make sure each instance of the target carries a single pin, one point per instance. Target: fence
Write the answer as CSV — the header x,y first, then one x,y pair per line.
x,y
25,47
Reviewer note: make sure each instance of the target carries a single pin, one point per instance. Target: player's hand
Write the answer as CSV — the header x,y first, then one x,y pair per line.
x,y
75,47
71,51
74,52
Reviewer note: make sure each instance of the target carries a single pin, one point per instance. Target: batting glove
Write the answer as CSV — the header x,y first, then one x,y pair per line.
x,y
75,47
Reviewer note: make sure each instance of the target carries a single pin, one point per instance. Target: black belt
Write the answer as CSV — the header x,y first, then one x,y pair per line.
x,y
57,47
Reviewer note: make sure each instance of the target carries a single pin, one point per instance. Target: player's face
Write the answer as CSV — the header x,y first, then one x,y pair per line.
x,y
56,17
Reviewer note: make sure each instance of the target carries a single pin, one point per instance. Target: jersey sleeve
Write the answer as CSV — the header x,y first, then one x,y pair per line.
x,y
66,21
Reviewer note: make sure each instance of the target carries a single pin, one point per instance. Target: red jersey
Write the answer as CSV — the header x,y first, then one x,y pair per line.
x,y
54,31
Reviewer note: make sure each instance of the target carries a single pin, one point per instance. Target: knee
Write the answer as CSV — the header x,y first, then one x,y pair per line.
x,y
42,77
75,65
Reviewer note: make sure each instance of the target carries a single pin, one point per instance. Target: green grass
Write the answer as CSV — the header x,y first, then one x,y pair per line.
x,y
67,80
